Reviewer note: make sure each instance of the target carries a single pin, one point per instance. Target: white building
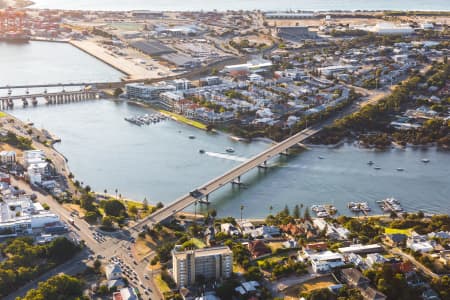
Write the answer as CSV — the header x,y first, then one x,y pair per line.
x,y
113,272
7,157
146,92
419,243
392,29
229,229
22,215
211,263
325,261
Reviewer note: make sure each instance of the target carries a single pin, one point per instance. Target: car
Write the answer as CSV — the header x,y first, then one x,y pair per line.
x,y
146,277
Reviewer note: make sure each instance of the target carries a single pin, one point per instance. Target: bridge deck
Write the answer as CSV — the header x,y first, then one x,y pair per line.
x,y
209,187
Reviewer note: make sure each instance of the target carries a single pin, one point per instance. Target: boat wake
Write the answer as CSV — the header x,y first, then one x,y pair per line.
x,y
226,156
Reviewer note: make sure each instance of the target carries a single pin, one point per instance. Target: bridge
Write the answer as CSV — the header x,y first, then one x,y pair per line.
x,y
98,85
7,102
233,176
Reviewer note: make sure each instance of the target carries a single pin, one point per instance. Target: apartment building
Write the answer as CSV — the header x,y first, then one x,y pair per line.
x,y
209,263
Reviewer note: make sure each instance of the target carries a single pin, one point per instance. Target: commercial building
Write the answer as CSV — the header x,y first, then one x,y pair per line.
x,y
146,92
209,263
20,215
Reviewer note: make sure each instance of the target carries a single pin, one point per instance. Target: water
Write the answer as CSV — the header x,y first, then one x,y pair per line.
x,y
158,161
177,5
43,63
161,163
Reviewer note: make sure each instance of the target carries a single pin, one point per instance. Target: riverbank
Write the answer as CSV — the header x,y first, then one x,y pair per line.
x,y
183,119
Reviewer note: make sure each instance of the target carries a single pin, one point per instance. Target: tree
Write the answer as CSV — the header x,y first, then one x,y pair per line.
x,y
242,208
107,222
145,204
57,287
118,92
97,265
297,212
306,214
91,216
286,211
113,207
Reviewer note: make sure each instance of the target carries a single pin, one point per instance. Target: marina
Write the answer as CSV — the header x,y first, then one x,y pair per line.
x,y
146,119
357,207
324,210
390,205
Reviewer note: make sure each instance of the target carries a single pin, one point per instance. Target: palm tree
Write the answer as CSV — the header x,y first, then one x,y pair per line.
x,y
195,211
242,208
105,191
116,192
271,208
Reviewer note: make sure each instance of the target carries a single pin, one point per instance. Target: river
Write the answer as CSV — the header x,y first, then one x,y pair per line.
x,y
161,163
266,5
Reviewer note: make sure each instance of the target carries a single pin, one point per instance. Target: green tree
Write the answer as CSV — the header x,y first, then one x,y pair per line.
x,y
107,222
297,212
113,207
57,287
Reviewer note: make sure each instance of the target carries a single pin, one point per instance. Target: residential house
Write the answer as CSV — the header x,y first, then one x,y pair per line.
x,y
354,278
258,248
370,293
395,239
375,258
113,272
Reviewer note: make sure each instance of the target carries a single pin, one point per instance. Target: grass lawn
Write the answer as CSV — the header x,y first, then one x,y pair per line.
x,y
273,259
389,230
198,243
161,284
183,119
3,114
313,284
275,245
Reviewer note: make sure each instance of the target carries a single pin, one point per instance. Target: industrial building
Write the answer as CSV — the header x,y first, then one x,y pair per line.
x,y
209,263
152,48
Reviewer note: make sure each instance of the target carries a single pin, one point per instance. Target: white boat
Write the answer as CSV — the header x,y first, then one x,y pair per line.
x,y
425,160
229,150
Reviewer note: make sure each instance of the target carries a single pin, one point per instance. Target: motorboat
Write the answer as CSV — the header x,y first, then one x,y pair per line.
x,y
377,168
192,137
370,163
425,160
229,150
400,169
201,151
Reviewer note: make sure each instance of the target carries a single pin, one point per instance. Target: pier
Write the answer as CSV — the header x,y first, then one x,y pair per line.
x,y
7,102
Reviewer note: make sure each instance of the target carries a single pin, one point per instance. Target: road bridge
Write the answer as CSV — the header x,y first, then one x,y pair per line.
x,y
7,102
233,176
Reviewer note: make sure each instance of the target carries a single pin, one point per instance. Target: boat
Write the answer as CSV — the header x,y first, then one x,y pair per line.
x,y
370,163
377,168
425,160
229,150
400,169
192,137
321,157
201,151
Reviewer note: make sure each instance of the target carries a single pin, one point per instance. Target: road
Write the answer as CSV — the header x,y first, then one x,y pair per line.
x,y
71,267
418,265
114,245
